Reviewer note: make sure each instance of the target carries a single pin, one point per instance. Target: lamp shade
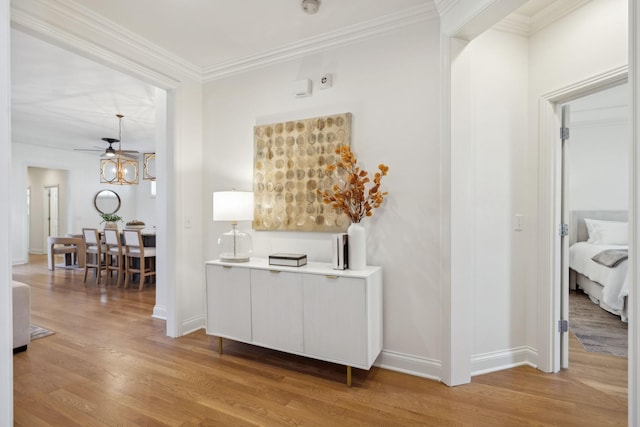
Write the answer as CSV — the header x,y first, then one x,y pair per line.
x,y
233,206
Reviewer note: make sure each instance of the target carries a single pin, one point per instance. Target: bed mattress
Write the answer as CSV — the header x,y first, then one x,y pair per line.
x,y
613,280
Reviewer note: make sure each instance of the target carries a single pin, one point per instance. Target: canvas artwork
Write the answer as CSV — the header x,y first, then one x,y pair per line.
x,y
290,166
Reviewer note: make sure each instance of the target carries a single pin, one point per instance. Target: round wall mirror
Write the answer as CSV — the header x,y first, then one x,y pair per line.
x,y
106,202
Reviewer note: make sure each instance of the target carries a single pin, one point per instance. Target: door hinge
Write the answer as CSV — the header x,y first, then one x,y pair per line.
x,y
564,134
563,230
563,325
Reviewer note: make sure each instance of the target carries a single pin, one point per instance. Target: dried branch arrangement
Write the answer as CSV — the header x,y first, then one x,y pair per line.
x,y
351,196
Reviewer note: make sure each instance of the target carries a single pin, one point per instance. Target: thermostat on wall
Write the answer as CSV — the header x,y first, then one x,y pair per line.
x,y
302,88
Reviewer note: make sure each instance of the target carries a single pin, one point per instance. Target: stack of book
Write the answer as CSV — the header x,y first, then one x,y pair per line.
x,y
289,260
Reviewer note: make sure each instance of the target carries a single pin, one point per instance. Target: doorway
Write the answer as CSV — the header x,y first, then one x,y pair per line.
x,y
595,192
51,212
47,206
550,247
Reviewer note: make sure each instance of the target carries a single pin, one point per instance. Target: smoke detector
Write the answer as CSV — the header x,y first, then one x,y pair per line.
x,y
310,6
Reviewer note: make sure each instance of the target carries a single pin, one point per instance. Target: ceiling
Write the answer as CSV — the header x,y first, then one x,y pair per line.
x,y
63,100
209,32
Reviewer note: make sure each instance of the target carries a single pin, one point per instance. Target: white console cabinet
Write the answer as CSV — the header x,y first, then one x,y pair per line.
x,y
313,310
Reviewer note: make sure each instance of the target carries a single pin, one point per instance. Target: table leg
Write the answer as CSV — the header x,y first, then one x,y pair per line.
x,y
220,345
51,259
349,376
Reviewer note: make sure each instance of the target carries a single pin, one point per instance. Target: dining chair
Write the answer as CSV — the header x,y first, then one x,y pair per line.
x,y
71,247
138,258
94,252
114,254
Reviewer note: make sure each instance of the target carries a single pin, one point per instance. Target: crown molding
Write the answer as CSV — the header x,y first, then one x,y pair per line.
x,y
83,30
554,12
103,39
324,41
523,25
515,24
444,6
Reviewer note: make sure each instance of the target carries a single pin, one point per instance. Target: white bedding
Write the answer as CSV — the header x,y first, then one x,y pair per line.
x,y
613,280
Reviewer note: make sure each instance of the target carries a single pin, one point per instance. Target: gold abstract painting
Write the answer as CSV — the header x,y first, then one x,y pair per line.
x,y
290,161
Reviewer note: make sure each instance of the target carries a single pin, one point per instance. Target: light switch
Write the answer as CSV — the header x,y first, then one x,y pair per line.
x,y
518,223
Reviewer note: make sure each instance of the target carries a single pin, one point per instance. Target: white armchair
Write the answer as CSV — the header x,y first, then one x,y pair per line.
x,y
21,316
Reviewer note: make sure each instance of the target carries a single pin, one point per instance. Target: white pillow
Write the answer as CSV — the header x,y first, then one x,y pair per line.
x,y
607,232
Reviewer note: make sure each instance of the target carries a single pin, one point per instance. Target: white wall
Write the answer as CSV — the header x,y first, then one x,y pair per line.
x,y
598,160
145,204
182,204
391,85
6,307
497,139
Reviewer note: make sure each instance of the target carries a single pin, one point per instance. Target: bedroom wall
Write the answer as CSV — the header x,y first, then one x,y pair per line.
x,y
598,161
391,85
595,35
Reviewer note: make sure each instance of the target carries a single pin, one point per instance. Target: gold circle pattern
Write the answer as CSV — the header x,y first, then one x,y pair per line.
x,y
290,160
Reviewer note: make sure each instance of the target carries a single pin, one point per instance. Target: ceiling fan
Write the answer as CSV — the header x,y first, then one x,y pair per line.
x,y
110,151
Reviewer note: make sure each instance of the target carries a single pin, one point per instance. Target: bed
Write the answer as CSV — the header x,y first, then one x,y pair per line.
x,y
591,233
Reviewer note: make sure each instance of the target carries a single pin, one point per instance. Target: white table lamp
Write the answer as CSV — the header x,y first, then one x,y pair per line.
x,y
233,206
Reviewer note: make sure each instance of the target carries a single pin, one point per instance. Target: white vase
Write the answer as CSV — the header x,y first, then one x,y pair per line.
x,y
357,242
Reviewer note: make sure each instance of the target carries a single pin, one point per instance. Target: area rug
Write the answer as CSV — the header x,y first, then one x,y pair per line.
x,y
597,330
39,332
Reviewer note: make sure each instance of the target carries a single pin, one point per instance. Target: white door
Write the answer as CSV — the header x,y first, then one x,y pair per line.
x,y
335,319
50,208
229,302
563,327
54,221
276,309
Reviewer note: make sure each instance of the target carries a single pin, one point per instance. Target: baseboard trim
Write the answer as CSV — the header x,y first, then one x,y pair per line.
x,y
408,364
159,312
501,360
193,324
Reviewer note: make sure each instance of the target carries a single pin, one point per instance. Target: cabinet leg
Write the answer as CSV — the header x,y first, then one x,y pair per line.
x,y
220,345
349,376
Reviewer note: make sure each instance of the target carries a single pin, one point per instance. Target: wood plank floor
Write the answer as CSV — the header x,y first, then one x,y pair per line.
x,y
110,364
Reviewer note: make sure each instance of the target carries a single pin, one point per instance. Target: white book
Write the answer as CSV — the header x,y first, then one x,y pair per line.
x,y
340,251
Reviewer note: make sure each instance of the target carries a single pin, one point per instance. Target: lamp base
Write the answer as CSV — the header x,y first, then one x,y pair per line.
x,y
234,246
231,258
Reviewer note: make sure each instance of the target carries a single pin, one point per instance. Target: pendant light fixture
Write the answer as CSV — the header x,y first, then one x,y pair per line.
x,y
119,168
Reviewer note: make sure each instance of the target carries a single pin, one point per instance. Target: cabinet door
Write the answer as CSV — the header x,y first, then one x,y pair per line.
x,y
229,302
335,319
276,302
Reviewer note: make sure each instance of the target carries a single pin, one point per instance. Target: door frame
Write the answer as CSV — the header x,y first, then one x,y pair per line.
x,y
549,209
46,211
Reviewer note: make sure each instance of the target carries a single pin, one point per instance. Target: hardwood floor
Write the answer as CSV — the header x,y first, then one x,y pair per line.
x,y
109,363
